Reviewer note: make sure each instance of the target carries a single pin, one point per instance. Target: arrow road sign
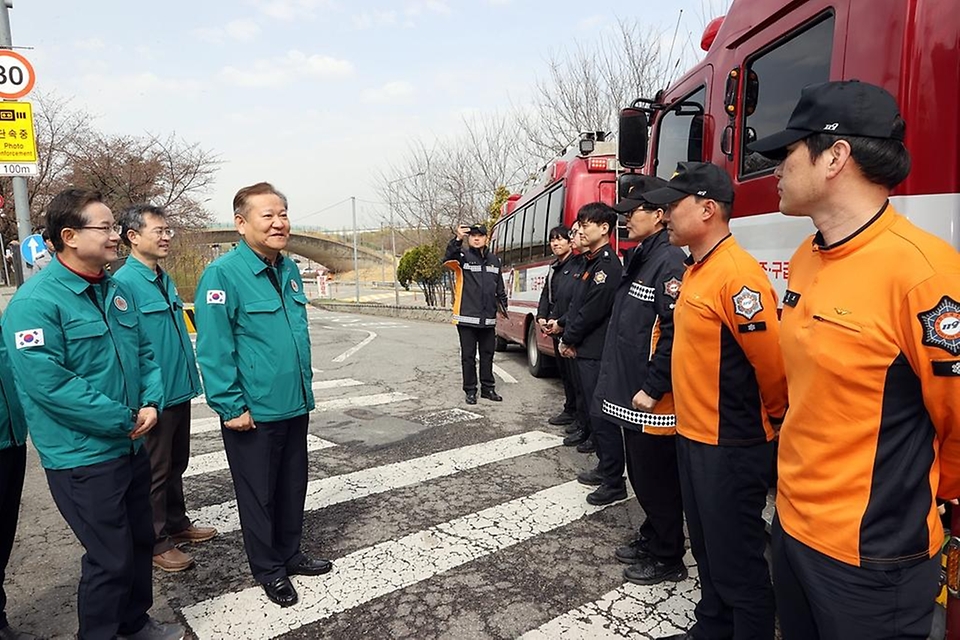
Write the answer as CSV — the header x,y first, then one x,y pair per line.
x,y
32,247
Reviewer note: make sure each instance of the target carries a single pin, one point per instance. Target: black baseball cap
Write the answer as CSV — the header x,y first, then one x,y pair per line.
x,y
633,198
702,179
477,230
845,108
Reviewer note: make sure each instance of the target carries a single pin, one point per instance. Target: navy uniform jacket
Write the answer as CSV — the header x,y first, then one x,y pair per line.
x,y
639,342
478,293
559,288
585,323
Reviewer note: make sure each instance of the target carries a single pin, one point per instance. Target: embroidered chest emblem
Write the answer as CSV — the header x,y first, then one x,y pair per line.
x,y
600,277
747,303
294,286
120,303
672,288
941,326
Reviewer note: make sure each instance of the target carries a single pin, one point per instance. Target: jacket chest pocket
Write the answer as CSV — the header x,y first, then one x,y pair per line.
x,y
85,342
259,316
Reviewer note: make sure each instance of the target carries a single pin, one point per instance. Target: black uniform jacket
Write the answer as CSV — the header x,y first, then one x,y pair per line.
x,y
639,340
562,280
478,292
585,323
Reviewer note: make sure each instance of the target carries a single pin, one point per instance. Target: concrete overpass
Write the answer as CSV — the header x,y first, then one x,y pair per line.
x,y
335,255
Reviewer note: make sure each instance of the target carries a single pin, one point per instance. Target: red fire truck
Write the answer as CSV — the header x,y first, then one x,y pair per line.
x,y
587,173
759,57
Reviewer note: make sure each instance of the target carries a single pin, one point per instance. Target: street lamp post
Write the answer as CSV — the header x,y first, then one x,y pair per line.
x,y
393,234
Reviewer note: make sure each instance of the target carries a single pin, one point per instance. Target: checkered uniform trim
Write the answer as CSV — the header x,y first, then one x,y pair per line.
x,y
639,417
641,292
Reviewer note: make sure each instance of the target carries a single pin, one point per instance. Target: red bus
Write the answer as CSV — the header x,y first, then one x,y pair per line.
x,y
582,175
759,56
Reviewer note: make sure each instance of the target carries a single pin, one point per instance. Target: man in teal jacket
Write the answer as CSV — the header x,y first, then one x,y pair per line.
x,y
91,390
13,464
146,231
253,347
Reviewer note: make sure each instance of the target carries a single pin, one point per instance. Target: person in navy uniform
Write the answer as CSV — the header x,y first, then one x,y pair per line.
x,y
477,298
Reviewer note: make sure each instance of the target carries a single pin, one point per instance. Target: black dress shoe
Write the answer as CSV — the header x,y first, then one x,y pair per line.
x,y
471,397
310,567
633,551
607,494
561,419
587,446
491,395
590,477
575,438
281,592
653,571
573,427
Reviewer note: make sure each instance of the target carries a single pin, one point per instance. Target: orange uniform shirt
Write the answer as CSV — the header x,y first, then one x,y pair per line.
x,y
728,375
871,342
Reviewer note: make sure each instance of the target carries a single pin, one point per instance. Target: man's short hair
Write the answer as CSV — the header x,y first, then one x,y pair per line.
x,y
882,161
559,231
65,211
598,213
132,218
259,189
726,208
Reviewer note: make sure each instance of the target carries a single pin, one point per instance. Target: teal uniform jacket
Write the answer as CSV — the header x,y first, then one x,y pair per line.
x,y
13,425
83,366
161,315
253,342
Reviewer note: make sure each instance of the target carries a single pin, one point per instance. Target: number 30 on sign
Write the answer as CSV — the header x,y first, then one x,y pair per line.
x,y
16,75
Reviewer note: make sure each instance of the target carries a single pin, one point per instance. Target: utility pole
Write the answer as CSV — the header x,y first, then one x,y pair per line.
x,y
21,200
356,267
383,267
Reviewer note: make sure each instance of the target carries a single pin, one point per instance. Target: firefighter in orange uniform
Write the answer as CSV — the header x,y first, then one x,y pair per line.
x,y
729,394
871,344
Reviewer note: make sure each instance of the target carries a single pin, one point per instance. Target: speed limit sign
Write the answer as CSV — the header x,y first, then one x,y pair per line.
x,y
16,75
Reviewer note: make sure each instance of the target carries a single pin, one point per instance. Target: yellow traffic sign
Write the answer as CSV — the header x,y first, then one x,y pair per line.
x,y
17,140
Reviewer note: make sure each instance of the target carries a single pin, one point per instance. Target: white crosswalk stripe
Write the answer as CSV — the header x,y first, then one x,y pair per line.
x,y
318,385
217,460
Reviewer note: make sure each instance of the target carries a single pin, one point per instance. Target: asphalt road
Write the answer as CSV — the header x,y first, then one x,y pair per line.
x,y
444,520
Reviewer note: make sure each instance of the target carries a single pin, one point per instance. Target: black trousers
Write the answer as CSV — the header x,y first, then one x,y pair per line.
x,y
608,437
108,507
472,339
652,469
13,464
269,469
820,598
588,372
566,368
724,492
168,444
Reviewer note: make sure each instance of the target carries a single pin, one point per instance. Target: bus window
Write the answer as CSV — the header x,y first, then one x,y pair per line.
x,y
506,235
515,237
535,230
773,83
555,210
680,135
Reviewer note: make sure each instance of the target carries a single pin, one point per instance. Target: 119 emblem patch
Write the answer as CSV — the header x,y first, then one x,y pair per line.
x,y
941,326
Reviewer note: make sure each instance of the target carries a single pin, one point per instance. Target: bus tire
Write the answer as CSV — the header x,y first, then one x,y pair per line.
x,y
500,344
539,365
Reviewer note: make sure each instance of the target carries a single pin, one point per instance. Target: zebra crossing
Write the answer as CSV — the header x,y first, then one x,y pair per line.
x,y
507,528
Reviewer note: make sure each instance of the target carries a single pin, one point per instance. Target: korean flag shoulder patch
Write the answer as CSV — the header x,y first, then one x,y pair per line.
x,y
941,326
216,296
29,338
747,303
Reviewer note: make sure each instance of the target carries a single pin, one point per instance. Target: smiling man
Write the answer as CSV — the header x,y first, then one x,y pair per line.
x,y
147,232
253,347
91,390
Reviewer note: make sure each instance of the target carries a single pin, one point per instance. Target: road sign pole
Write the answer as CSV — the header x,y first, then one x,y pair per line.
x,y
356,266
21,199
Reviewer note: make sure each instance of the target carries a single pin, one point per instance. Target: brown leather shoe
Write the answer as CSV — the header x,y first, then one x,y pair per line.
x,y
173,560
194,533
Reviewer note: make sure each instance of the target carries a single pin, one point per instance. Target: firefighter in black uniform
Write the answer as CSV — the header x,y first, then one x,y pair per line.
x,y
478,297
554,301
634,391
585,328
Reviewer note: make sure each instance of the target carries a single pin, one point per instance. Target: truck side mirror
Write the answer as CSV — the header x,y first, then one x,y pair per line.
x,y
632,142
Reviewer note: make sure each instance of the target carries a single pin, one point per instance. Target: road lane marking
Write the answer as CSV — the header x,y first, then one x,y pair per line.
x,y
628,611
506,377
206,425
217,460
318,385
371,336
366,482
376,571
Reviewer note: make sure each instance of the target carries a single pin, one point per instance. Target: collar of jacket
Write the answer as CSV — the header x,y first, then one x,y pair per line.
x,y
254,260
71,280
558,263
483,252
139,268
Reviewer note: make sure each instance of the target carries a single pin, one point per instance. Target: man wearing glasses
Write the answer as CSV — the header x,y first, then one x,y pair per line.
x,y
91,389
147,232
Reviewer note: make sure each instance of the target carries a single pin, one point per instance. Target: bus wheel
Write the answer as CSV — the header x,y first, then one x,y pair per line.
x,y
540,366
500,344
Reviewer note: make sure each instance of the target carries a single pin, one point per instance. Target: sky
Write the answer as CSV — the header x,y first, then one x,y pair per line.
x,y
315,96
